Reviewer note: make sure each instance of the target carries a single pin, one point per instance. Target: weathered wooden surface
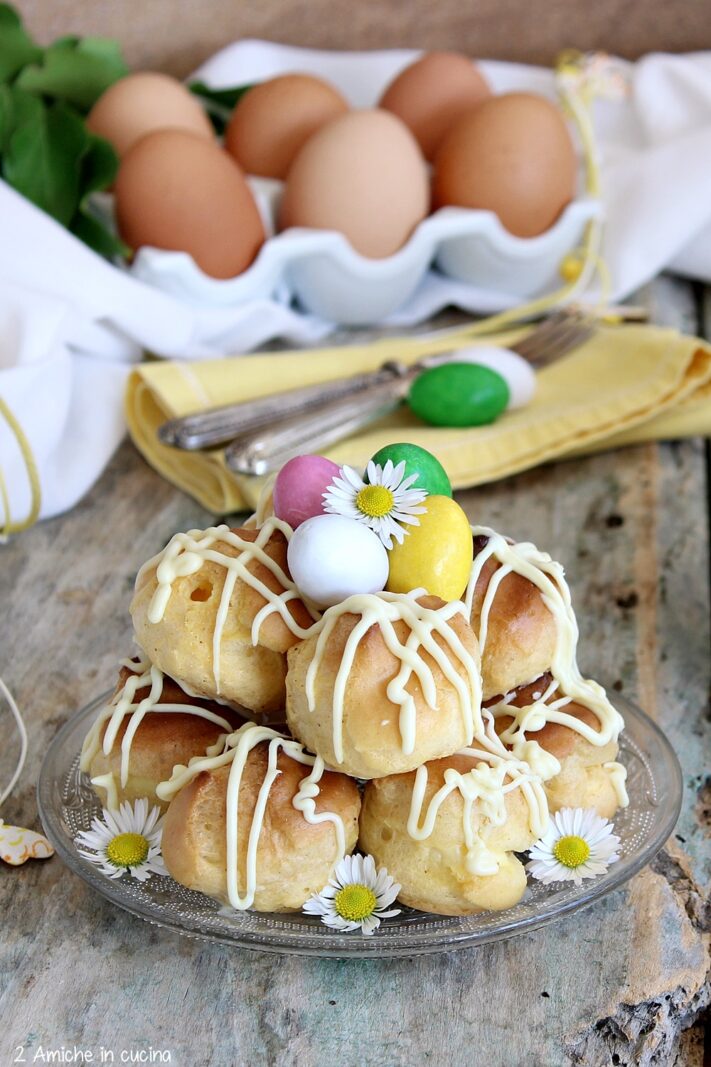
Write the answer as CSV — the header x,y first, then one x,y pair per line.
x,y
616,984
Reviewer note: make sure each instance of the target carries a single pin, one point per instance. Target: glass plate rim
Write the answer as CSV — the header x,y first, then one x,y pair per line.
x,y
350,946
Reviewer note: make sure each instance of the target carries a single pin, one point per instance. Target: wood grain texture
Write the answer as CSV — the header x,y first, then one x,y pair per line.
x,y
177,35
617,983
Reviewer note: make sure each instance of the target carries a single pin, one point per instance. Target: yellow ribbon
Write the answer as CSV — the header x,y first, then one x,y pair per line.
x,y
10,527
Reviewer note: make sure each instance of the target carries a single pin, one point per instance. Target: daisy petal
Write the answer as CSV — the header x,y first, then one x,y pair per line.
x,y
352,477
370,925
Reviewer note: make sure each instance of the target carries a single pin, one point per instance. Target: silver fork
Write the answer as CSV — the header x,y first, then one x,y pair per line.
x,y
266,433
261,451
207,429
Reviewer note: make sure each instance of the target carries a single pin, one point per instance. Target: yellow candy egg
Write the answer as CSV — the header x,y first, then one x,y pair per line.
x,y
436,555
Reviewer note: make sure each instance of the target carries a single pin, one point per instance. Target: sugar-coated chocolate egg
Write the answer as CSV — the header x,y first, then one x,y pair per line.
x,y
178,191
275,118
516,371
363,175
146,101
458,394
299,488
331,558
432,93
436,555
513,155
431,474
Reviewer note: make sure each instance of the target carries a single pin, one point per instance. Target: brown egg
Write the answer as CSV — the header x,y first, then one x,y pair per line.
x,y
175,190
363,175
431,94
513,155
140,103
274,119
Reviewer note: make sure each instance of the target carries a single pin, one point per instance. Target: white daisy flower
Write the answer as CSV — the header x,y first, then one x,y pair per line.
x,y
577,844
356,896
127,840
382,503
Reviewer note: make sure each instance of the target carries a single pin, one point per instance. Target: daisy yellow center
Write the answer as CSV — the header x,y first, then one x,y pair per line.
x,y
355,902
571,851
375,501
127,850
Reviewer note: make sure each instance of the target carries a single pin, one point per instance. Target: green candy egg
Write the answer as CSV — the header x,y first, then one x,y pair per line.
x,y
432,475
459,394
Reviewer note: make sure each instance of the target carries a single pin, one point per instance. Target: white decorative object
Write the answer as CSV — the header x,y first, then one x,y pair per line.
x,y
330,279
332,558
516,371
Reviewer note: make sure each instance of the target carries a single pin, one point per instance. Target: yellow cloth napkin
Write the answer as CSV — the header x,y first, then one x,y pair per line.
x,y
627,384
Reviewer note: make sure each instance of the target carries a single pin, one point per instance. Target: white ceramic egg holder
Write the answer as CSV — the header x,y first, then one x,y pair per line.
x,y
479,264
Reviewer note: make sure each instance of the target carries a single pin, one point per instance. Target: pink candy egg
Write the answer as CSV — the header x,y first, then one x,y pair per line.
x,y
299,488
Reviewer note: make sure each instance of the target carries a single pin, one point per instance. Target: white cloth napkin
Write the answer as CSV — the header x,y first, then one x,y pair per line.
x,y
71,323
68,403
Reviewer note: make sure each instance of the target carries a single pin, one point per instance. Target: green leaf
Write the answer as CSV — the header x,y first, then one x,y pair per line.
x,y
46,151
7,116
99,165
219,103
17,48
43,156
70,41
98,171
94,233
74,70
226,98
16,108
50,157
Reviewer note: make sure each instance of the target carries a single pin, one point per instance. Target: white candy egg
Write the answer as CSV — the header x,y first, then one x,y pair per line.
x,y
517,372
331,558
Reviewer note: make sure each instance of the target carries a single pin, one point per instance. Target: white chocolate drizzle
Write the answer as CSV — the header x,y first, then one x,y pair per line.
x,y
265,505
108,782
235,749
524,764
186,553
124,704
548,576
618,779
485,785
384,610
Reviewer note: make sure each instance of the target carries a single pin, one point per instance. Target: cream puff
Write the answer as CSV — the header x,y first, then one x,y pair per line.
x,y
260,824
448,831
587,773
509,614
388,682
217,609
149,725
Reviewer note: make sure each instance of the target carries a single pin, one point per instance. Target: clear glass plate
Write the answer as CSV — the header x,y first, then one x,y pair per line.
x,y
67,804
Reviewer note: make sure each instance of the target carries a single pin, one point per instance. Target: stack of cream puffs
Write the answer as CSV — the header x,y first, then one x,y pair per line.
x,y
280,734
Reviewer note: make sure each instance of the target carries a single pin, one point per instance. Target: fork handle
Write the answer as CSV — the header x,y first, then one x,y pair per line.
x,y
266,450
208,429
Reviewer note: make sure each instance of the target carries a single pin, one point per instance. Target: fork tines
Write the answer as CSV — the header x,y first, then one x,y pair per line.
x,y
563,331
